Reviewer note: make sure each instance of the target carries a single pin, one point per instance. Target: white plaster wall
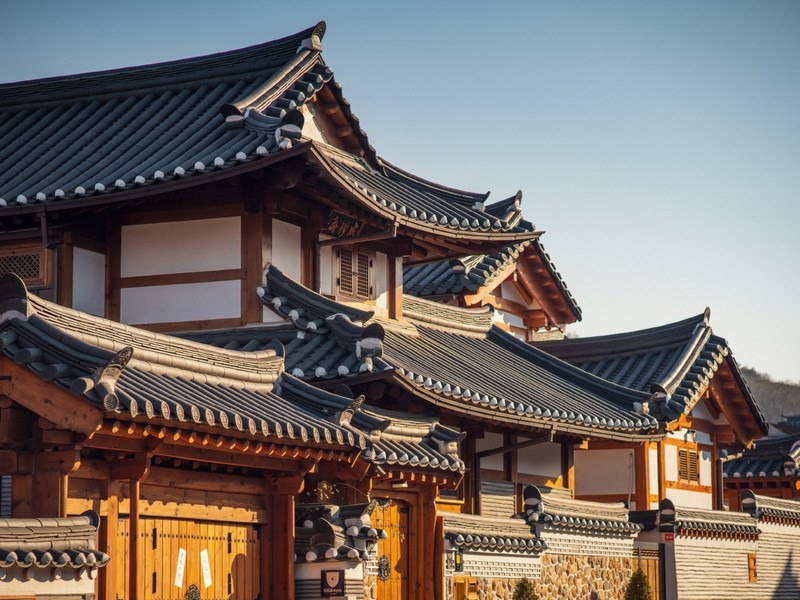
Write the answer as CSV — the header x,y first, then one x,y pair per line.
x,y
286,248
706,467
490,442
510,292
604,472
88,281
381,277
508,318
182,302
541,459
689,498
684,434
181,247
670,462
326,270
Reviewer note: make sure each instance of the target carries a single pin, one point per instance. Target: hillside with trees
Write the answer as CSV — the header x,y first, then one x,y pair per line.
x,y
776,398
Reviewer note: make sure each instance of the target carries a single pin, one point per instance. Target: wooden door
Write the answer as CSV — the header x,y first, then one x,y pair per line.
x,y
650,561
392,517
180,559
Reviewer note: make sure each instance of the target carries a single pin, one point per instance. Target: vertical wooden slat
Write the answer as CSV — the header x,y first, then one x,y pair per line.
x,y
134,590
113,266
109,540
65,261
642,480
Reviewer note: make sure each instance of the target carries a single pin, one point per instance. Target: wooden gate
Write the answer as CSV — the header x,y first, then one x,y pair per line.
x,y
176,557
392,517
650,561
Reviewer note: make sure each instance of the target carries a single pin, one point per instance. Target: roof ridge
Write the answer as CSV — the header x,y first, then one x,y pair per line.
x,y
177,71
397,171
257,367
465,320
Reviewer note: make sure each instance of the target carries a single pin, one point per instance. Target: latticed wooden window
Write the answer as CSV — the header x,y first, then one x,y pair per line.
x,y
29,263
688,465
354,274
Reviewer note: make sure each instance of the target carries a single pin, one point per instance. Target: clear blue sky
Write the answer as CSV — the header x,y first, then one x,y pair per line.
x,y
657,143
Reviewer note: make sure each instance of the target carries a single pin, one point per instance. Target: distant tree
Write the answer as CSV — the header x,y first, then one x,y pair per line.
x,y
524,590
638,587
777,399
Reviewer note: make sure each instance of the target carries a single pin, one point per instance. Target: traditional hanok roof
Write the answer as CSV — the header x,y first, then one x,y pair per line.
x,y
128,373
328,532
557,508
504,380
460,277
142,131
53,543
492,534
769,457
789,424
768,509
696,521
678,361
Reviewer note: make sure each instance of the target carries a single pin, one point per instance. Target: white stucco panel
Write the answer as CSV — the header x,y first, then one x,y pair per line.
x,y
381,277
286,248
542,459
604,472
689,498
181,247
88,281
490,442
670,462
182,302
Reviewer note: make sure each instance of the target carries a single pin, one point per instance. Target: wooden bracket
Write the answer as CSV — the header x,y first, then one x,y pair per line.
x,y
136,468
64,462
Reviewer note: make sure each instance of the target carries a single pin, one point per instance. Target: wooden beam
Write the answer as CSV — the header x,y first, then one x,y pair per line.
x,y
45,399
136,468
279,550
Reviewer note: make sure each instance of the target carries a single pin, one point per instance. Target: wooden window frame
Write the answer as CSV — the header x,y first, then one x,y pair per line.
x,y
689,466
45,279
360,285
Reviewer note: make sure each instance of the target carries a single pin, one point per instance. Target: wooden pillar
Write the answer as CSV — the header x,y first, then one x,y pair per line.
x,y
64,273
662,473
470,477
277,542
568,465
641,469
395,285
108,576
50,481
438,560
256,253
426,570
134,585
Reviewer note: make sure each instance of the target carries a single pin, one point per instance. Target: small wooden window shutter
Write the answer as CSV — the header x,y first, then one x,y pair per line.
x,y
694,465
752,567
345,280
683,464
363,276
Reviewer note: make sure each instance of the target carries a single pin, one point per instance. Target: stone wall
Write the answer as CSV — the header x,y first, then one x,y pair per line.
x,y
564,577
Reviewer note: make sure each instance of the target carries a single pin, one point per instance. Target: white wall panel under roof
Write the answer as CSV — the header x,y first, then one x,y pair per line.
x,y
490,442
88,281
286,248
181,247
542,459
181,302
326,270
689,498
604,472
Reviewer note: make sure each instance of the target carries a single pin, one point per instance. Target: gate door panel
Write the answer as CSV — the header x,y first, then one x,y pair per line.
x,y
180,559
392,517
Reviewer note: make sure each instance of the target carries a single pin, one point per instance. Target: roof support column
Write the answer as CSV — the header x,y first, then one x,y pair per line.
x,y
108,539
277,539
641,457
